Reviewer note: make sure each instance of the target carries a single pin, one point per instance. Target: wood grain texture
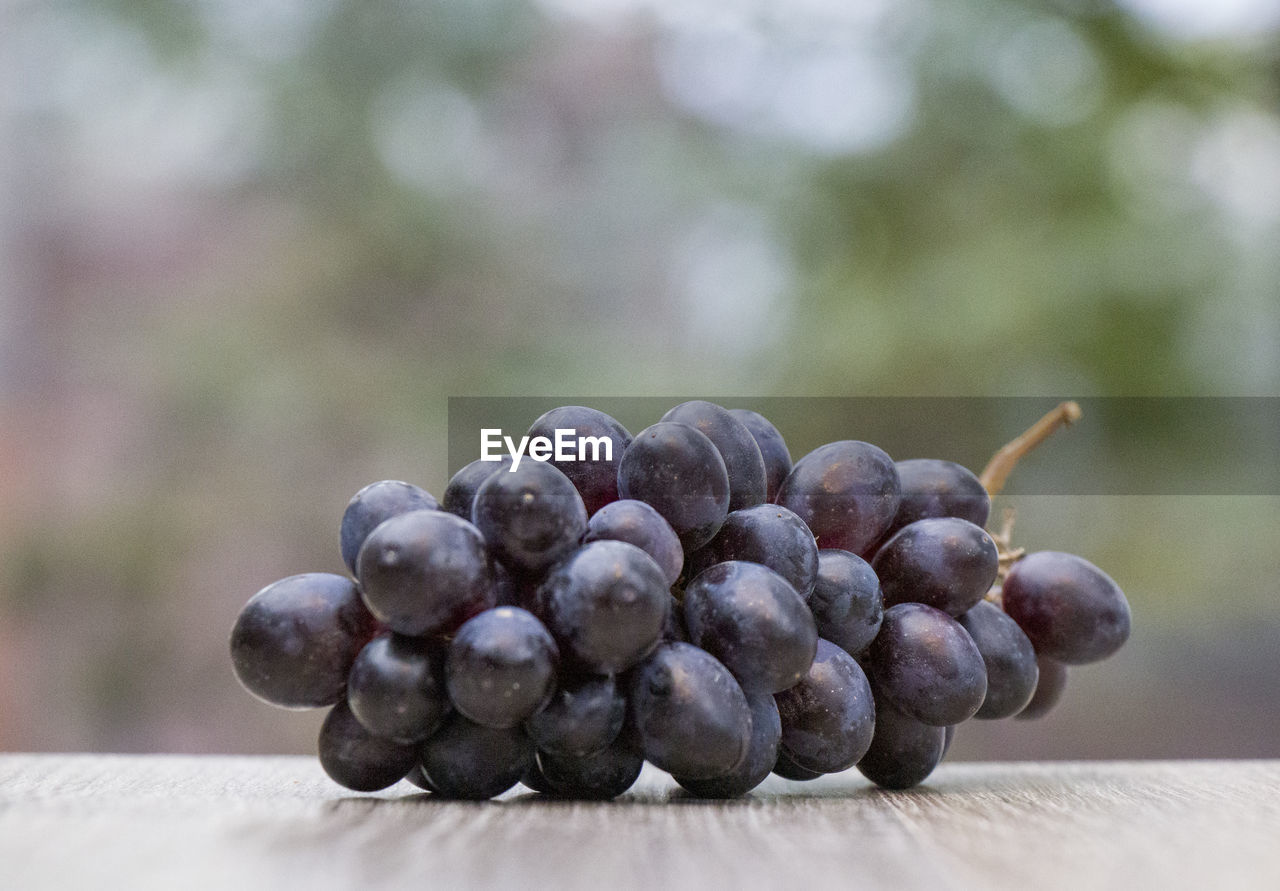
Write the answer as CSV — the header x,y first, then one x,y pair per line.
x,y
116,821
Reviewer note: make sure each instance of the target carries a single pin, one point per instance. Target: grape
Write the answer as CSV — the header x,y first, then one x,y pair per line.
x,y
396,688
679,472
595,480
460,493
501,667
787,768
355,758
675,628
606,605
1009,657
530,517
1049,688
603,775
534,779
765,534
425,572
295,640
582,718
934,488
945,562
762,754
927,665
694,599
468,760
846,603
773,448
511,589
903,750
639,524
690,716
743,462
847,492
374,504
829,716
1072,611
629,737
418,778
754,622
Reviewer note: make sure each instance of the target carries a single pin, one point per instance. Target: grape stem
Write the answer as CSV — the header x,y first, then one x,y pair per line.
x,y
1009,555
997,471
1004,461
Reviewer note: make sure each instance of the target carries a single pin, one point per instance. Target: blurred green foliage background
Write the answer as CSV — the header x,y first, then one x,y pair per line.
x,y
248,249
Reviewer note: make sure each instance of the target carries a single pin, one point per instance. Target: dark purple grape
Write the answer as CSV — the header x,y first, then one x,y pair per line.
x,y
460,493
396,688
675,627
373,505
945,562
1049,689
743,462
295,640
513,589
425,572
787,768
600,776
470,761
762,754
903,750
767,534
419,778
690,716
629,737
679,472
936,488
754,622
530,517
583,717
534,779
606,605
501,667
1009,657
829,716
773,448
1072,610
927,665
596,477
847,492
355,758
639,524
846,602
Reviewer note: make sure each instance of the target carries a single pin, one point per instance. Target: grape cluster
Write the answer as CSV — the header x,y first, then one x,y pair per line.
x,y
695,600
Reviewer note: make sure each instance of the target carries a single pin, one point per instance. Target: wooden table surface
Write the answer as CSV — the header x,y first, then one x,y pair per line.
x,y
119,821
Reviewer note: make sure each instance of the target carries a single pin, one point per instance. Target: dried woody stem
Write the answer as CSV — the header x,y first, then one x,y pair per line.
x,y
1004,461
1009,555
997,471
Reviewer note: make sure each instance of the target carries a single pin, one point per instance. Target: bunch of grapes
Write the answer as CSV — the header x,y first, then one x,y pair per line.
x,y
694,600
